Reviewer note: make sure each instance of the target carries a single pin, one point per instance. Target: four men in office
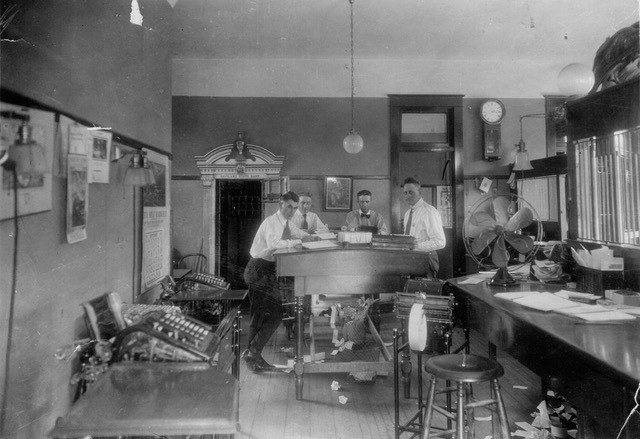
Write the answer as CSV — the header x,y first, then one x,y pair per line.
x,y
292,224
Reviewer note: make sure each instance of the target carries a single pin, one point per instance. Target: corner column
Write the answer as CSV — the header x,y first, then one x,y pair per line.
x,y
209,220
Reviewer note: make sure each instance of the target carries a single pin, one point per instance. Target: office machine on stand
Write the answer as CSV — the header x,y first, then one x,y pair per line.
x,y
168,374
427,321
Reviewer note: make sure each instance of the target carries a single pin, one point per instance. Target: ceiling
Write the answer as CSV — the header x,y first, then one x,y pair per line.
x,y
297,48
389,29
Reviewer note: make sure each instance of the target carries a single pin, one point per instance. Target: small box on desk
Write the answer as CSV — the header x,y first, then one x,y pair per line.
x,y
624,297
590,280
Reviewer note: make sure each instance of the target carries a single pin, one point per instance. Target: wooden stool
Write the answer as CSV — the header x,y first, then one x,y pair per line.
x,y
464,369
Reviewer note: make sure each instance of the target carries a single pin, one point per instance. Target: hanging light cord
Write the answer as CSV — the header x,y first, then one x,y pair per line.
x,y
352,83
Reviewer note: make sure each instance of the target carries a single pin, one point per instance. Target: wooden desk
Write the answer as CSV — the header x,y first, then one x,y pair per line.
x,y
598,365
154,399
343,271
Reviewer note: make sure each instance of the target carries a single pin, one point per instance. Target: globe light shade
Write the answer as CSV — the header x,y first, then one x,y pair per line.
x,y
576,79
353,143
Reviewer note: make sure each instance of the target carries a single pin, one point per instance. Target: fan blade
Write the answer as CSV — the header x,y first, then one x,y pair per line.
x,y
524,244
500,255
483,220
482,241
521,219
501,210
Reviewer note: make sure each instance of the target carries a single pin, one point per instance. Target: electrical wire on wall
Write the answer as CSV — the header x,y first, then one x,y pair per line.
x,y
9,166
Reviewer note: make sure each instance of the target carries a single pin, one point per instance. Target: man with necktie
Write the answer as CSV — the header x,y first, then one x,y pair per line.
x,y
276,231
365,218
424,223
306,220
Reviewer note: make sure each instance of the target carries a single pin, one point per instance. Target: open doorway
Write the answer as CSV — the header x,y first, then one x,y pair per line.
x,y
239,213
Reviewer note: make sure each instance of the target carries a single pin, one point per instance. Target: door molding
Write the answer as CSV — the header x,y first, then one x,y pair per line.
x,y
224,162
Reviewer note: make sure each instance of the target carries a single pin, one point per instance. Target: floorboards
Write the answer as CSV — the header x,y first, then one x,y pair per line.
x,y
269,409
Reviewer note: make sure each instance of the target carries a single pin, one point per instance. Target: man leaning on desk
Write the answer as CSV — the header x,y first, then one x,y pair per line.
x,y
306,220
423,222
364,217
276,231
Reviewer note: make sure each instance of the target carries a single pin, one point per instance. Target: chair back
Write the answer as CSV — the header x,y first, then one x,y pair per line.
x,y
196,262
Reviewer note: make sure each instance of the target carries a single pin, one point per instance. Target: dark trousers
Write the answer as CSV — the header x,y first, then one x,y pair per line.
x,y
266,304
433,265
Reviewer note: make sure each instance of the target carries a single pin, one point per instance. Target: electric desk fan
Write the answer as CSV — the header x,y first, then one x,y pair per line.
x,y
497,230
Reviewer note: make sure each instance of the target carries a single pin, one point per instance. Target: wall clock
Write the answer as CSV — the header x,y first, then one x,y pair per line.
x,y
491,112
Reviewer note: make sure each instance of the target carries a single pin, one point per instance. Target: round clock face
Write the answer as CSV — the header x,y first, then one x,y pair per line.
x,y
492,111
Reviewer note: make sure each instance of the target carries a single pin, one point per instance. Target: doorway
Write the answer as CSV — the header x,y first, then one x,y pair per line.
x,y
426,144
239,213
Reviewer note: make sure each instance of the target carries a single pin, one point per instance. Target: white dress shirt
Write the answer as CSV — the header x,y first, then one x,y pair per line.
x,y
313,221
426,226
269,237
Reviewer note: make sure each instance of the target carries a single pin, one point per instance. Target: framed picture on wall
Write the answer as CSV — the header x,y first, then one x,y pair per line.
x,y
337,194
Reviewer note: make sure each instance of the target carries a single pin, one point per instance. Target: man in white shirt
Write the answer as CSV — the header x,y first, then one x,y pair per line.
x,y
365,216
423,222
276,231
306,220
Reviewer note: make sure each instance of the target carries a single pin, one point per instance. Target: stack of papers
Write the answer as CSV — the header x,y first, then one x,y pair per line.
x,y
546,301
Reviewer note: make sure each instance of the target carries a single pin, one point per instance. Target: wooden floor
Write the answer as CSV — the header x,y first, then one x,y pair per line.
x,y
269,409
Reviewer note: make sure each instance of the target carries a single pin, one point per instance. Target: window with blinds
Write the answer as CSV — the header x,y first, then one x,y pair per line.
x,y
608,187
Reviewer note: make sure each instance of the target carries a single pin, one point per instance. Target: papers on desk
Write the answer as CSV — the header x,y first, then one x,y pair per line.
x,y
475,279
545,301
319,244
326,235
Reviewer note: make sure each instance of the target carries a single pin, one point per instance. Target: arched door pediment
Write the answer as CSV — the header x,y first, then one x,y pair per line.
x,y
252,162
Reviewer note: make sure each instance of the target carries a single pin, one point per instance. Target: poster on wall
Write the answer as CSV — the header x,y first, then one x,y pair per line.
x,y
70,139
77,198
443,204
36,137
98,146
156,246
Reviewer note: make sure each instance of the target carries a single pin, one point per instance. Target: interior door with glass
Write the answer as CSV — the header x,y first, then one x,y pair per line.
x,y
426,144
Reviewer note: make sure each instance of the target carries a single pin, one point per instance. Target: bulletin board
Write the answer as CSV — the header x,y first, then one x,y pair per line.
x,y
156,227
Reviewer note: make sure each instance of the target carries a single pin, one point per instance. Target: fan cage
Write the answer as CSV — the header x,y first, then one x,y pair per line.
x,y
485,262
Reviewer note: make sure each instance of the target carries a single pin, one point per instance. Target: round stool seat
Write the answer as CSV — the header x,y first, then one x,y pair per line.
x,y
464,368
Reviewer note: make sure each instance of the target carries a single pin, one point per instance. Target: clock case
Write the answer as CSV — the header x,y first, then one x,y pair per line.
x,y
492,136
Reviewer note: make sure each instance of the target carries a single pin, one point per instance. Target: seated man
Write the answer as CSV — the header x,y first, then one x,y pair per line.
x,y
365,217
306,220
276,231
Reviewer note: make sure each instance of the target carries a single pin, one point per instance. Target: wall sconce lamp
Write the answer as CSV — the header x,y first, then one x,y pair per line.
x,y
522,162
26,158
138,173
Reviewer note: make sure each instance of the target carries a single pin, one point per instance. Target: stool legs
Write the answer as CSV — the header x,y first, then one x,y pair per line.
x,y
460,410
430,401
502,411
465,410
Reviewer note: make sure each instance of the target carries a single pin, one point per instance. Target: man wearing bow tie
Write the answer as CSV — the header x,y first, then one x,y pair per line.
x,y
365,216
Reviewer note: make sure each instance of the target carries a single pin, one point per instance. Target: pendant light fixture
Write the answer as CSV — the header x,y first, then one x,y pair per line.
x,y
353,143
